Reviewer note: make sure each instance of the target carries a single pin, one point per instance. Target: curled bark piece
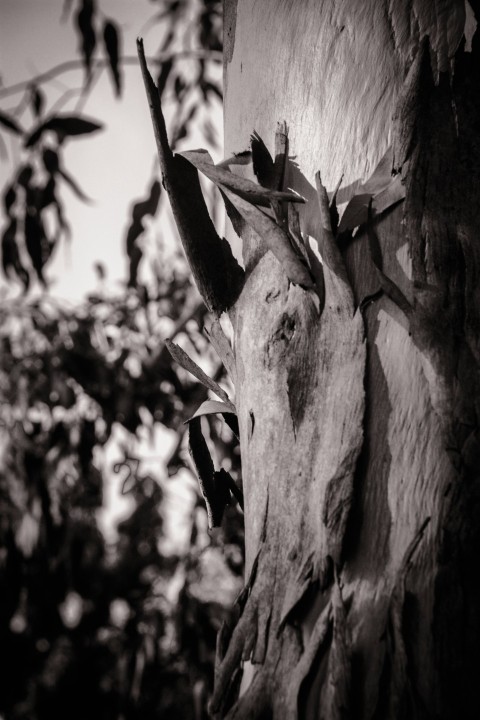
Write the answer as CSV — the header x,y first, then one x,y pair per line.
x,y
223,348
239,185
275,239
314,646
336,279
387,285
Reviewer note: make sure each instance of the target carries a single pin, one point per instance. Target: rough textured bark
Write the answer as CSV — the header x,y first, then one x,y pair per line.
x,y
358,411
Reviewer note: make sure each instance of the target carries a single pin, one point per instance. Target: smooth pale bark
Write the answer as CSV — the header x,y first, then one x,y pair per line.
x,y
359,426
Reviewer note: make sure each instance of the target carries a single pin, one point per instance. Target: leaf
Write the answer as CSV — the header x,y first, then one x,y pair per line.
x,y
136,228
10,123
11,256
216,494
63,125
9,198
181,357
74,186
274,238
51,161
164,75
111,39
84,21
213,407
246,189
36,242
37,99
150,205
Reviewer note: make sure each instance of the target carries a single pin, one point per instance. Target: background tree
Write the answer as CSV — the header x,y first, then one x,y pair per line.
x,y
356,355
121,624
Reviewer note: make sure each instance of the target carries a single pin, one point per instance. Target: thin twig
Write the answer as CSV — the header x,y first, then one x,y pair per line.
x,y
102,63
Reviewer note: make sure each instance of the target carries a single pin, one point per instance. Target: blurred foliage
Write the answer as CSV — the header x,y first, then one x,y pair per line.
x,y
187,60
94,624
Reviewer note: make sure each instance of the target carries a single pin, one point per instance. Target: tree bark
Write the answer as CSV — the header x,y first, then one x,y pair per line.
x,y
358,406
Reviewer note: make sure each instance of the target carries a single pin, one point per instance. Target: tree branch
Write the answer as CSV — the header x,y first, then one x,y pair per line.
x,y
102,63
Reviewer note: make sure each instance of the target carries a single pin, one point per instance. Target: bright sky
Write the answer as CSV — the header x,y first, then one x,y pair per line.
x,y
114,166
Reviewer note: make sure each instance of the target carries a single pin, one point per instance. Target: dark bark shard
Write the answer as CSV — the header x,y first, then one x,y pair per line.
x,y
217,274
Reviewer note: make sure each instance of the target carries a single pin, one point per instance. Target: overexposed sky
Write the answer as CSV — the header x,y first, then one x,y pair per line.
x,y
113,166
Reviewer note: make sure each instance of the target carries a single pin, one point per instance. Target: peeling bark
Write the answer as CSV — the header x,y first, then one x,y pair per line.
x,y
356,358
359,416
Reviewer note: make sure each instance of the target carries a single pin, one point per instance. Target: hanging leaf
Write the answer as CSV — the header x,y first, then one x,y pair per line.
x,y
64,126
136,228
181,357
51,161
48,197
11,256
10,123
74,186
111,38
275,239
38,246
213,407
164,75
9,198
246,189
24,176
84,21
150,205
37,98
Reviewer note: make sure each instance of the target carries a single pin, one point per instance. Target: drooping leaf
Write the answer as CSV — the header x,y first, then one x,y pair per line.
x,y
11,256
24,175
36,242
242,187
111,38
9,198
74,186
63,126
88,40
37,99
136,228
51,161
49,197
275,239
213,407
181,357
150,205
164,75
10,123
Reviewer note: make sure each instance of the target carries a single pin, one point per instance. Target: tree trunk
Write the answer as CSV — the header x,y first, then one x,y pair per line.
x,y
358,402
